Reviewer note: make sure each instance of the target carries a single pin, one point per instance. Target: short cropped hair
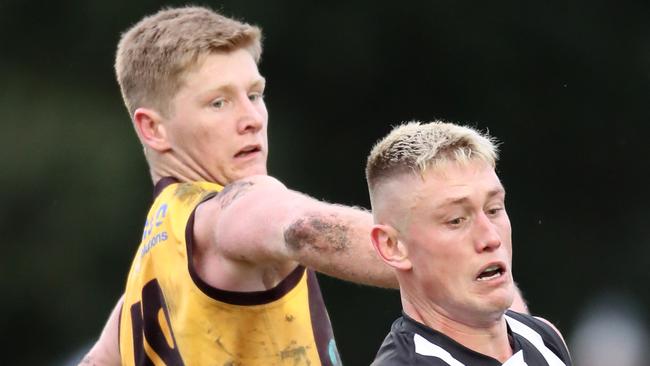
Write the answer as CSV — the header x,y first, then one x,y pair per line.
x,y
155,54
414,147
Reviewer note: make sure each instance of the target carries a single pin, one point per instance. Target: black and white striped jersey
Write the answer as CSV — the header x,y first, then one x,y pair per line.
x,y
411,343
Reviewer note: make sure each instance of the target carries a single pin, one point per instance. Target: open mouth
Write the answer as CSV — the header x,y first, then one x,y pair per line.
x,y
248,150
491,272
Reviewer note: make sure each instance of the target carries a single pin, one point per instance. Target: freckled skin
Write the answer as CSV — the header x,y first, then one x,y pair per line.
x,y
306,232
233,191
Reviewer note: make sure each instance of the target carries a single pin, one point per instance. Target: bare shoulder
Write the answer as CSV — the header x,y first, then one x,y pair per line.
x,y
235,204
236,239
240,190
247,186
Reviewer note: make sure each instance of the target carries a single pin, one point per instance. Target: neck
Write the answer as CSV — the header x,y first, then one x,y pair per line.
x,y
168,165
485,334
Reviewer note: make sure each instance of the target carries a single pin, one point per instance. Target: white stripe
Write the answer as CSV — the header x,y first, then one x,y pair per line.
x,y
516,360
536,339
426,348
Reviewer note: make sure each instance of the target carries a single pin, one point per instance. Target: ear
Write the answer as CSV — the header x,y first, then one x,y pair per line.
x,y
389,247
150,129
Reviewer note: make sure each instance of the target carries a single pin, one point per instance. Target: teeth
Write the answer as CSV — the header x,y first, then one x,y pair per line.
x,y
497,274
495,271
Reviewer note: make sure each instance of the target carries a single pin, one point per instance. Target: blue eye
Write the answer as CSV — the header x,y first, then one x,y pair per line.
x,y
255,96
218,104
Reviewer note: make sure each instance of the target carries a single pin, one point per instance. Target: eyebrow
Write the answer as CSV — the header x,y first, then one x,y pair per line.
x,y
256,83
461,200
261,81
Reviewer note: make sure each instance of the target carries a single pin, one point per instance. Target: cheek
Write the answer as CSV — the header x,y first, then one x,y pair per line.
x,y
506,222
195,136
437,280
213,138
202,144
431,263
262,110
505,232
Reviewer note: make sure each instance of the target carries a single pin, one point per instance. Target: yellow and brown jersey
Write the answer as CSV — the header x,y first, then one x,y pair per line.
x,y
171,317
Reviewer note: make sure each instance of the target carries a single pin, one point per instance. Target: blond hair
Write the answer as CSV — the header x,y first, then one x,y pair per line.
x,y
155,54
415,147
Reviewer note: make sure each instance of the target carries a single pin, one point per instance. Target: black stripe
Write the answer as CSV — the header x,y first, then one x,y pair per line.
x,y
320,323
551,338
162,184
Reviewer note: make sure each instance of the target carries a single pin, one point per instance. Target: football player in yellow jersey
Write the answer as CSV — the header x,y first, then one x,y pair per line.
x,y
223,275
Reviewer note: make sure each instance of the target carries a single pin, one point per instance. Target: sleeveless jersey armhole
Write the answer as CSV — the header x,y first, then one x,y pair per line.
x,y
236,297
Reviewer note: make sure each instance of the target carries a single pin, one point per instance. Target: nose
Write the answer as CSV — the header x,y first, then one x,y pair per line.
x,y
251,115
487,236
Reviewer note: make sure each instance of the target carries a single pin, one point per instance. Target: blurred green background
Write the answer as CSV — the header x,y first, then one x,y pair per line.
x,y
564,85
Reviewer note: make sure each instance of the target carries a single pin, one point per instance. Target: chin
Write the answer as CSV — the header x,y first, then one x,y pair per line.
x,y
245,173
258,171
499,304
256,167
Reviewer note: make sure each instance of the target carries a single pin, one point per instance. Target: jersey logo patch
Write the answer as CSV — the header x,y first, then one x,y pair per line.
x,y
333,353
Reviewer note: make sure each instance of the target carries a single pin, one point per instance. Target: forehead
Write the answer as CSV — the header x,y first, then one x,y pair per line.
x,y
222,68
451,183
399,199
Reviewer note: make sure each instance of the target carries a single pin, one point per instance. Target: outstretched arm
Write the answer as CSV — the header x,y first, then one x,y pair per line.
x,y
106,351
258,220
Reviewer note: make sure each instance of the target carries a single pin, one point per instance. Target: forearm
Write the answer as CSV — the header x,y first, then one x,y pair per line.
x,y
335,240
97,359
106,351
261,221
